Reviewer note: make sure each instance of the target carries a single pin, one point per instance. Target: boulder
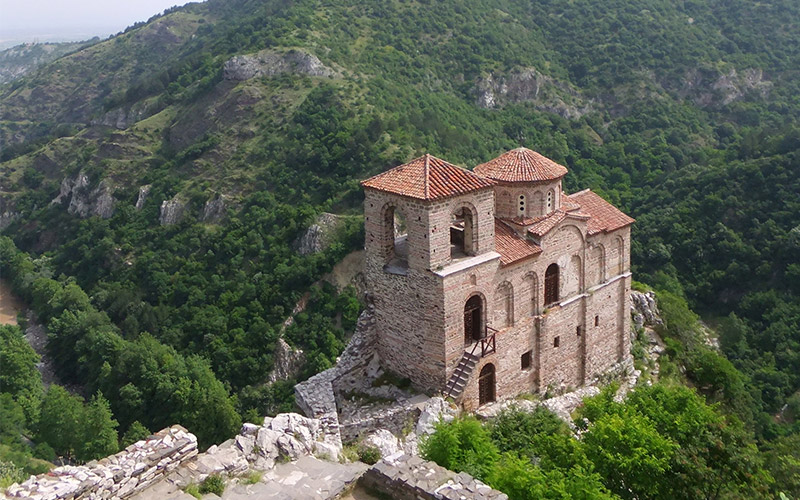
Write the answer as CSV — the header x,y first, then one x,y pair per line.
x,y
434,411
385,441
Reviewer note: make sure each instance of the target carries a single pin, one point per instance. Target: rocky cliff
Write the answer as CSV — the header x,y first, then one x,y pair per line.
x,y
270,63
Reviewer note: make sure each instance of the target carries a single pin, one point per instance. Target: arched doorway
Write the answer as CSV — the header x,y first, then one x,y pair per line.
x,y
473,319
486,385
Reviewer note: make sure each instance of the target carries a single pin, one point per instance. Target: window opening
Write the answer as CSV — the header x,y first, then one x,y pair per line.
x,y
461,234
549,201
596,320
525,360
396,231
521,207
551,284
556,341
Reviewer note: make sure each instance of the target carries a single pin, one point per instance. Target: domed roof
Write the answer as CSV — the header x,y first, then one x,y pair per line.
x,y
521,165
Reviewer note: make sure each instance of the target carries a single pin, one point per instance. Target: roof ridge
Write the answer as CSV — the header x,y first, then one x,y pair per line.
x,y
427,176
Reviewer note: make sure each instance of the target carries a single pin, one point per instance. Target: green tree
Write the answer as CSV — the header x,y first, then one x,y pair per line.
x,y
98,431
136,432
18,373
630,455
60,421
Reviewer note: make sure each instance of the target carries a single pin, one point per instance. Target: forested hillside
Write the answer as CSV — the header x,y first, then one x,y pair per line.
x,y
684,114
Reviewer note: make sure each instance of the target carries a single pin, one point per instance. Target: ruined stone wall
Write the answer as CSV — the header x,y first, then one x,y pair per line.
x,y
404,477
118,476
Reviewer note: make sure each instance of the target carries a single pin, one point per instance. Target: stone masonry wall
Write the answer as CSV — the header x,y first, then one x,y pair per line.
x,y
404,477
116,477
507,202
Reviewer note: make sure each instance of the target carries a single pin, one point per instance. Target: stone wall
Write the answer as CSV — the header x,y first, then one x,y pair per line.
x,y
405,477
316,396
118,476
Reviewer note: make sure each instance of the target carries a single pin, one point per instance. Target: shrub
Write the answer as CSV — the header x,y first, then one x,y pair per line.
x,y
369,454
213,484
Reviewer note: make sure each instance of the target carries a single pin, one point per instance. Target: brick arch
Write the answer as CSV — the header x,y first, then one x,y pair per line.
x,y
471,247
391,248
598,263
504,305
575,279
619,242
487,384
469,322
531,283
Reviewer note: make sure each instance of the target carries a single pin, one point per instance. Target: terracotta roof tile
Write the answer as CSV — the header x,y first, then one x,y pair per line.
x,y
543,225
427,178
511,247
605,217
521,165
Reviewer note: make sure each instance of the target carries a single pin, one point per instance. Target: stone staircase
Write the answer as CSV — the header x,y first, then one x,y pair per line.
x,y
458,380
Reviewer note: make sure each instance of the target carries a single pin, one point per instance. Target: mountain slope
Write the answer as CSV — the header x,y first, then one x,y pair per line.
x,y
279,108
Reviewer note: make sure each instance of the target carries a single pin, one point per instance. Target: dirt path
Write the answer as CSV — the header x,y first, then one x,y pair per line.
x,y
10,305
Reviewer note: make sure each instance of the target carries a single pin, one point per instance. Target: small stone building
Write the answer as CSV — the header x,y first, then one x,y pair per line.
x,y
494,282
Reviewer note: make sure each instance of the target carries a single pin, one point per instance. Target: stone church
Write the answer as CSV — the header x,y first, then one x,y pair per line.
x,y
493,282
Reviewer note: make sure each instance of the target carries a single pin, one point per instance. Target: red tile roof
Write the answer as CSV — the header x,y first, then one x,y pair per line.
x,y
511,247
543,225
605,217
521,165
427,178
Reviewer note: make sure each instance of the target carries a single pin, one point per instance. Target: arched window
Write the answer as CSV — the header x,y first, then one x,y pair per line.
x,y
532,282
549,201
599,261
396,235
462,233
620,256
551,284
473,320
521,210
486,383
504,305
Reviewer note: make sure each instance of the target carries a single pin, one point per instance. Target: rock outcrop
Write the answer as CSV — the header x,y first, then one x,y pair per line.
x,y
214,210
83,201
143,192
318,236
271,63
529,85
707,87
172,211
644,310
288,362
122,118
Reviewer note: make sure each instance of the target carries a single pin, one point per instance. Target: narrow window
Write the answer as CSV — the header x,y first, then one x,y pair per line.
x,y
525,361
596,320
521,207
556,341
549,201
578,331
551,284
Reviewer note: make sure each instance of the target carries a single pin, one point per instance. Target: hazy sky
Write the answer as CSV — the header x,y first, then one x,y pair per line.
x,y
53,20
